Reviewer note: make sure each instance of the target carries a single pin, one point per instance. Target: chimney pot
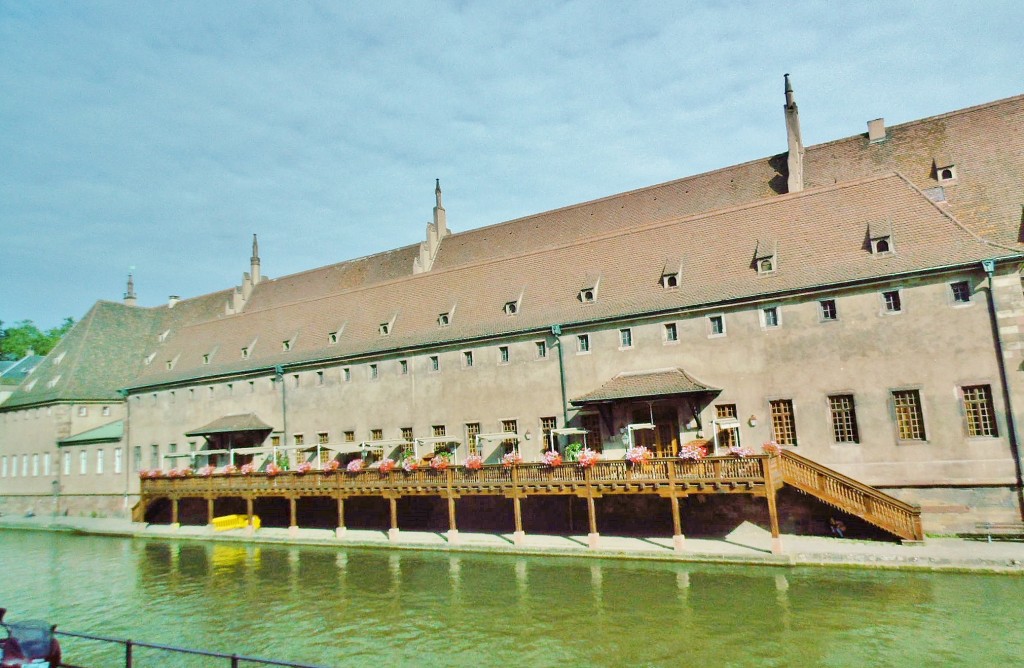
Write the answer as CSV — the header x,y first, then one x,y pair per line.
x,y
876,131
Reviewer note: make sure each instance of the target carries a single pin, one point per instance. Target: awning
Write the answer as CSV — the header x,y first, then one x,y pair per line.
x,y
499,436
108,433
231,424
655,384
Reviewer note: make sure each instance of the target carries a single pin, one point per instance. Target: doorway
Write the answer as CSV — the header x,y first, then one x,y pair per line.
x,y
663,440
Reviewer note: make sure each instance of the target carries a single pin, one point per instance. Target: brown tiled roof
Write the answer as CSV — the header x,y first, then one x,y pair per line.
x,y
644,385
820,238
230,424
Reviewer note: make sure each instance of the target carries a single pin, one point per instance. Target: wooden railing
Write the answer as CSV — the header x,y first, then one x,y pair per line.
x,y
848,495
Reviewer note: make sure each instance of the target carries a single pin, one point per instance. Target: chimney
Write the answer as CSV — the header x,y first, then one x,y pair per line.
x,y
436,231
876,131
795,157
172,300
129,295
254,261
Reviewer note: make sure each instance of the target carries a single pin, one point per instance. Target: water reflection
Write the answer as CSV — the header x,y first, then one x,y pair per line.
x,y
357,607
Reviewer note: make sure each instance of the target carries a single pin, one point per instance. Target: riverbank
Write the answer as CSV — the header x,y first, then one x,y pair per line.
x,y
747,544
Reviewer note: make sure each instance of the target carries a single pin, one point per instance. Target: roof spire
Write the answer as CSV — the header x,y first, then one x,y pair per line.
x,y
795,157
254,261
437,192
129,295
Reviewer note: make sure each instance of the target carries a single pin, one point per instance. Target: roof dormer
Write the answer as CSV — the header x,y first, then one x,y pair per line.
x,y
766,257
588,292
880,241
672,273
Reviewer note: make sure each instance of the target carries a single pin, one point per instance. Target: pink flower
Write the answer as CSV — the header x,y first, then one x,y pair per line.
x,y
332,466
692,452
587,458
387,465
638,454
740,451
206,471
552,458
511,459
474,462
772,448
245,470
409,464
355,466
273,469
304,467
439,463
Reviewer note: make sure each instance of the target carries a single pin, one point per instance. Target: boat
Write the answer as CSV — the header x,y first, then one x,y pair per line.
x,y
29,643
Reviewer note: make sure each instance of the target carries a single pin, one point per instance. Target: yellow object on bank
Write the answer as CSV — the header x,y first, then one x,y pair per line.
x,y
228,522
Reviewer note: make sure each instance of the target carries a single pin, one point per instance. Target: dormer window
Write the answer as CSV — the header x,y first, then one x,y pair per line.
x,y
169,364
669,281
587,295
163,335
588,289
880,237
206,358
245,353
149,358
511,308
945,169
332,338
766,257
53,381
766,265
384,328
286,345
444,320
60,358
881,245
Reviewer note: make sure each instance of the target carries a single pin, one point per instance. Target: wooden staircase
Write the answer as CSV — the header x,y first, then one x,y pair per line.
x,y
848,495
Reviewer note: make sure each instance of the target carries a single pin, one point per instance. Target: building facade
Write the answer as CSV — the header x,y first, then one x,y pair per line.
x,y
858,302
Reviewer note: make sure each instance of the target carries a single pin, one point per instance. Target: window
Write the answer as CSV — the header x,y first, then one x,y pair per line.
x,y
828,310
881,245
583,343
503,355
319,377
444,319
275,440
892,302
83,462
169,364
542,349
118,460
671,332
136,460
374,372
587,295
332,338
766,265
407,434
322,438
509,427
35,465
909,417
439,430
384,328
435,363
625,338
286,346
83,411
947,173
252,388
346,374
299,439
3,466
669,281
783,425
403,367
592,423
350,437
172,448
770,317
376,434
467,358
296,380
47,463
725,411
844,418
716,325
154,456
472,430
245,355
511,308
546,425
978,410
961,292
99,461
67,461
206,358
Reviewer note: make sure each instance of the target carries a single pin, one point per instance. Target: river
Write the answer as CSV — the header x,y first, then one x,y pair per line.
x,y
360,607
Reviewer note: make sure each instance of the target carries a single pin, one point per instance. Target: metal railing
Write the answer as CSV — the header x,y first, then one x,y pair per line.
x,y
235,660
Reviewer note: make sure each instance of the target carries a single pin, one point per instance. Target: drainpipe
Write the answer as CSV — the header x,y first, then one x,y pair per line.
x,y
126,457
1011,428
279,370
556,331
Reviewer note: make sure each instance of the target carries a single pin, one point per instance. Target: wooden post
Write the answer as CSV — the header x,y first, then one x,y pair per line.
x,y
773,512
248,513
453,529
393,531
209,510
293,522
340,531
593,538
677,525
174,512
518,536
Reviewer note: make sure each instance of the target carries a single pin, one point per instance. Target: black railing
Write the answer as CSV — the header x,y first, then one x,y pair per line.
x,y
236,660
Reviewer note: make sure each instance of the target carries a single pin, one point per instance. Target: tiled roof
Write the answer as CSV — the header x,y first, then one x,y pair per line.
x,y
107,433
644,385
820,237
230,424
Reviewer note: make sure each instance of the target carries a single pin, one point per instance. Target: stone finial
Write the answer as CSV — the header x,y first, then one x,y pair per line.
x,y
254,261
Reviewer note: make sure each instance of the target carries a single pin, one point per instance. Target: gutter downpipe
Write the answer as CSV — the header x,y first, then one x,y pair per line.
x,y
556,331
279,374
126,457
1011,427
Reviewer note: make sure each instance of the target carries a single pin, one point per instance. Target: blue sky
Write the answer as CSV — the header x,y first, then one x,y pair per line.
x,y
160,136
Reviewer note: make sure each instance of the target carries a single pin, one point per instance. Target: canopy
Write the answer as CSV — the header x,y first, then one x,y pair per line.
x,y
231,424
645,385
108,433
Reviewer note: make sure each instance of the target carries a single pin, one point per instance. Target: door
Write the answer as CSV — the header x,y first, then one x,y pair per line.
x,y
663,440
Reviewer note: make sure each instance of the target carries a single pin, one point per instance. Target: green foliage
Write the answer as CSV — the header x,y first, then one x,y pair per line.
x,y
17,341
572,451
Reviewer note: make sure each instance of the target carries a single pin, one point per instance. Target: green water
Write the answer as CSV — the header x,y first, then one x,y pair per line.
x,y
346,607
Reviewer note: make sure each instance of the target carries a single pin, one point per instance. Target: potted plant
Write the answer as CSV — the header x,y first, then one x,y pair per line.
x,y
206,471
587,458
511,459
409,464
572,451
355,466
273,469
304,467
246,469
693,451
552,458
638,455
738,451
474,462
332,466
387,465
771,448
439,462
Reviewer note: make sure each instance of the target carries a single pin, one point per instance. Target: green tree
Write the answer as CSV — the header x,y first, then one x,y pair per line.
x,y
17,341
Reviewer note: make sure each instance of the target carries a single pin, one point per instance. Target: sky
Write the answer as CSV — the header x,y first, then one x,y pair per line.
x,y
157,137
